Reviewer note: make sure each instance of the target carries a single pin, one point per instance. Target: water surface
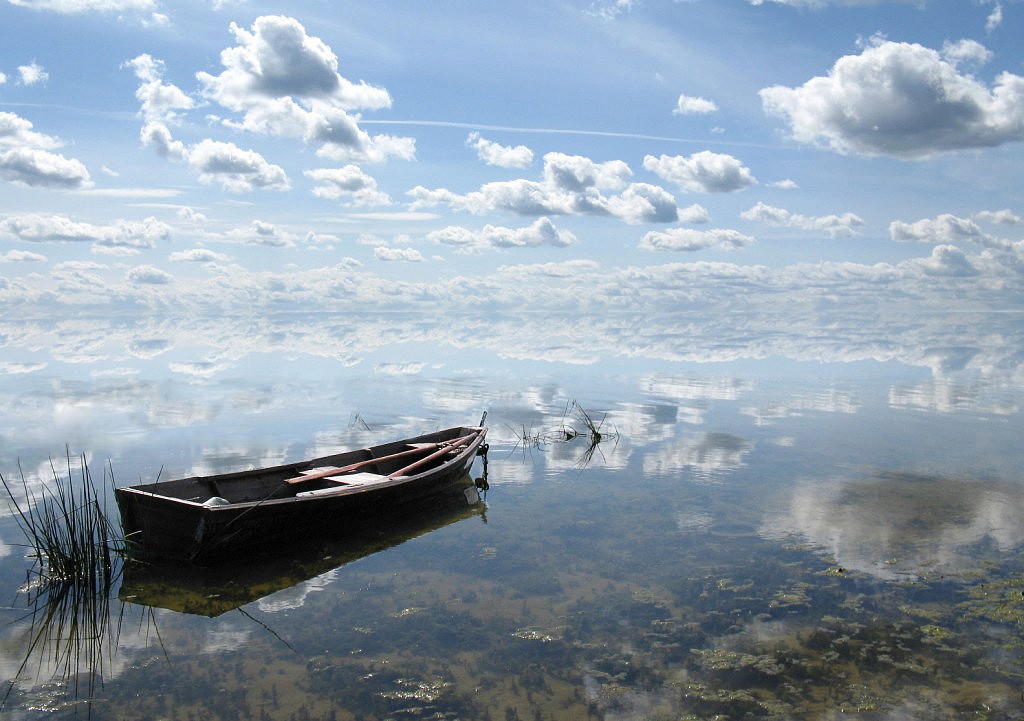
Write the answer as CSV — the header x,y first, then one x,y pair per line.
x,y
804,517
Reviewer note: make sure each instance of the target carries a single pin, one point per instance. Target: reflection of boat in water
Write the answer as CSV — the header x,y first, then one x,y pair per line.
x,y
211,518
211,591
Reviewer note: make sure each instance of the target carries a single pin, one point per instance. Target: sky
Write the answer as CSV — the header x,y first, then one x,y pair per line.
x,y
664,155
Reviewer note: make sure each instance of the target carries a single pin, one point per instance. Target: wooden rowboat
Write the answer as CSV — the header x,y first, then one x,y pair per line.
x,y
206,519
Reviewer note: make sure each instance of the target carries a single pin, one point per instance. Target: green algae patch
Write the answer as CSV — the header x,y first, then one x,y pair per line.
x,y
1001,601
931,632
724,660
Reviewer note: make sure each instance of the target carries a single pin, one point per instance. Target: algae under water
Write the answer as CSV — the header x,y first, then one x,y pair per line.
x,y
568,608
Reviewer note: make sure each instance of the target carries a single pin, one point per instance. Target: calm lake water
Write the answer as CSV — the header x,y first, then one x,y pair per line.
x,y
810,516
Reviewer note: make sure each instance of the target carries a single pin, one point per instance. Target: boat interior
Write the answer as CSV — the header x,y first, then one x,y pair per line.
x,y
323,476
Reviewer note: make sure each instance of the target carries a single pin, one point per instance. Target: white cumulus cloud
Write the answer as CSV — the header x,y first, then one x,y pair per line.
x,y
197,255
836,226
949,261
349,183
1000,217
946,228
22,256
127,234
646,203
902,100
705,172
688,239
235,169
32,74
576,173
502,156
541,232
31,166
158,100
689,105
966,51
216,162
16,131
571,185
406,255
259,232
285,82
158,136
26,157
148,275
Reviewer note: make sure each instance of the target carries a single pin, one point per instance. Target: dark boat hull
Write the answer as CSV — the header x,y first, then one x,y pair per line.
x,y
162,521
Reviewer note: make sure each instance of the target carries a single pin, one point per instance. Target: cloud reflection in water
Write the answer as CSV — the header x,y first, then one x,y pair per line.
x,y
902,525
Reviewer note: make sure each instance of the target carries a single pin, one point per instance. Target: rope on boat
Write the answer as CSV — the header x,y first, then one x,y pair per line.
x,y
481,451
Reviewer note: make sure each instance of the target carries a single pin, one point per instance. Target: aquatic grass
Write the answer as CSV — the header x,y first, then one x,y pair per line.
x,y
527,439
77,558
67,528
592,430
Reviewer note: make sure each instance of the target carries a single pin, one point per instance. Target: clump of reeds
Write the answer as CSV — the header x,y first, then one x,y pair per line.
x,y
67,529
76,554
526,438
593,429
593,433
566,431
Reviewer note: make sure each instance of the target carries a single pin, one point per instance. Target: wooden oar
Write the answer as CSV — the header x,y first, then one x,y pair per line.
x,y
460,441
369,462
